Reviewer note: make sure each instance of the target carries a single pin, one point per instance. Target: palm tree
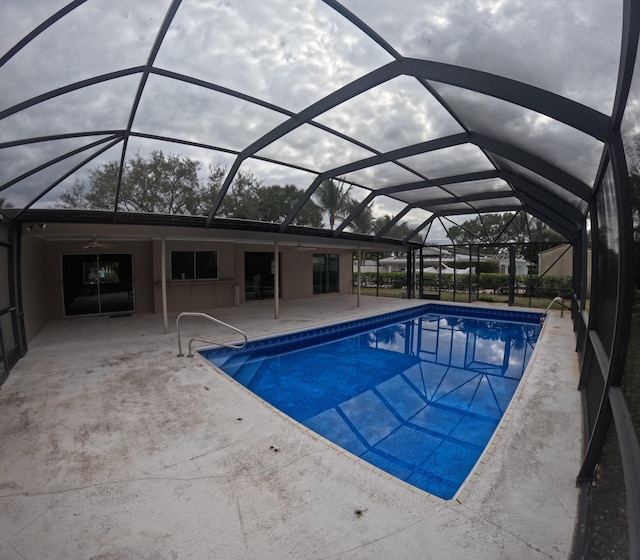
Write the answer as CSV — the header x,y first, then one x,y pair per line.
x,y
363,222
397,231
334,199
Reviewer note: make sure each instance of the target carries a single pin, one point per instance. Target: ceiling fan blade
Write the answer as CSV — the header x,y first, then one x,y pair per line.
x,y
305,248
95,244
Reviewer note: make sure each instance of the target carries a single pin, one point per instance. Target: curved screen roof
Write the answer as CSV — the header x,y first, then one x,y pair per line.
x,y
425,109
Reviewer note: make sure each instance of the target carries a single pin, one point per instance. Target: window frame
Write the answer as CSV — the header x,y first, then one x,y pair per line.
x,y
194,264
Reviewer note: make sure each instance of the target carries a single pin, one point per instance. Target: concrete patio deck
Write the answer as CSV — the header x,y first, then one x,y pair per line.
x,y
112,447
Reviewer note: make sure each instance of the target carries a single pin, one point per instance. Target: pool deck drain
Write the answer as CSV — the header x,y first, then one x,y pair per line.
x,y
113,447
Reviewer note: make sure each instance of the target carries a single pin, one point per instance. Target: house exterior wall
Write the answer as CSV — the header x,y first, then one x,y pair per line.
x,y
41,279
297,274
564,265
297,270
295,266
296,281
345,272
34,289
194,295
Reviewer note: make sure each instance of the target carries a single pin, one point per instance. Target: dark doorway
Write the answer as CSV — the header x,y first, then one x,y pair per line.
x,y
259,275
97,284
325,273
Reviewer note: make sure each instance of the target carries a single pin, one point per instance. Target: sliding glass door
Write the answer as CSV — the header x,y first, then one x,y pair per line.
x,y
259,275
97,284
325,273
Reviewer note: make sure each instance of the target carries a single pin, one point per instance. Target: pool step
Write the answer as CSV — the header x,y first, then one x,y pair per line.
x,y
242,369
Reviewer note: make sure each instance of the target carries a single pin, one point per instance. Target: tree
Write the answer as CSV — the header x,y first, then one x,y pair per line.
x,y
75,197
528,233
363,222
334,199
171,185
247,199
161,185
4,203
275,203
241,200
158,184
481,229
503,228
397,231
215,179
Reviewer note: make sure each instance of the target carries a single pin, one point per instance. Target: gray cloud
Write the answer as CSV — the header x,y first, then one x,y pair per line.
x,y
560,47
292,54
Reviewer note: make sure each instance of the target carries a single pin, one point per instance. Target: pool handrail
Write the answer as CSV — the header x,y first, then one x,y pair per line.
x,y
209,318
559,300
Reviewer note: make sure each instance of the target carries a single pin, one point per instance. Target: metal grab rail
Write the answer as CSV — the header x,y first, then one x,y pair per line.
x,y
560,300
210,318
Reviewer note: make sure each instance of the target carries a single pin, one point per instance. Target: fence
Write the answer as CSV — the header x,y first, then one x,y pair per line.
x,y
470,287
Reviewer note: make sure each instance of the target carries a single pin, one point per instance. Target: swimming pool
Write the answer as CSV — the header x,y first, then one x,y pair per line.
x,y
418,393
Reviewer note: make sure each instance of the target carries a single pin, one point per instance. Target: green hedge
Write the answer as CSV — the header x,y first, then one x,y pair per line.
x,y
544,286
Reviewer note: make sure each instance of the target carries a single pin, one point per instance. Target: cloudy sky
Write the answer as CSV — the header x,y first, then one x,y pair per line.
x,y
288,55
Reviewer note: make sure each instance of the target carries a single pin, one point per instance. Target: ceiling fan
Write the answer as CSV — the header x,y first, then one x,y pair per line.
x,y
300,247
95,244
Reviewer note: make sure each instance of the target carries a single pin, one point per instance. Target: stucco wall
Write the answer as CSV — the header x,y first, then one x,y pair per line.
x,y
34,284
345,270
297,272
194,295
42,269
296,269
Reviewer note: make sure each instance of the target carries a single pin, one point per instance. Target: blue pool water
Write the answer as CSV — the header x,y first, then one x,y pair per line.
x,y
417,393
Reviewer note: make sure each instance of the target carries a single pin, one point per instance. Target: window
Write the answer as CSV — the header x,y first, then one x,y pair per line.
x,y
194,265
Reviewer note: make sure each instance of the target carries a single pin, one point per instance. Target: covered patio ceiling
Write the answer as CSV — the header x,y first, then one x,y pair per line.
x,y
430,112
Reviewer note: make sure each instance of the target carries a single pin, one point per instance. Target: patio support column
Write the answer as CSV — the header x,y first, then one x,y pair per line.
x,y
163,265
455,279
276,280
512,274
410,267
421,273
377,274
359,279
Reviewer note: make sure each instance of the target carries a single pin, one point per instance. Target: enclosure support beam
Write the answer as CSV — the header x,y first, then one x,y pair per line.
x,y
512,274
359,289
276,280
163,281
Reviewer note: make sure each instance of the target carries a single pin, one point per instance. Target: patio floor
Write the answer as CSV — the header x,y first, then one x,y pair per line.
x,y
112,447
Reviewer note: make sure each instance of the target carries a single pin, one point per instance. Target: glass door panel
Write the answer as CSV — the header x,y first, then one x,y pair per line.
x,y
325,273
94,284
259,275
115,275
80,284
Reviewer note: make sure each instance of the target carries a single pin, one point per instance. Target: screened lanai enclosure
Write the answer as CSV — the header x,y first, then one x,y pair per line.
x,y
324,126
